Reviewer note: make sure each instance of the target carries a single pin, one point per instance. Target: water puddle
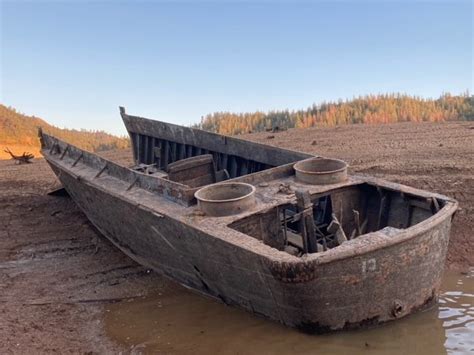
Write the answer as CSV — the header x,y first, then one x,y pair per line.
x,y
178,321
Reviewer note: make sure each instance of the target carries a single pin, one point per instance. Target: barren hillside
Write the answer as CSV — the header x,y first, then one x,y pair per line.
x,y
19,133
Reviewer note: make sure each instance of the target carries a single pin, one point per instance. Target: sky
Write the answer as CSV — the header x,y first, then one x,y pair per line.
x,y
74,62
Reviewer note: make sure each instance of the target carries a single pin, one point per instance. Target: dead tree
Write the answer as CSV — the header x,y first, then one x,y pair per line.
x,y
20,159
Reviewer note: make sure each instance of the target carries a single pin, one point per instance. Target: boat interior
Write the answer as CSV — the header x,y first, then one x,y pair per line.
x,y
336,216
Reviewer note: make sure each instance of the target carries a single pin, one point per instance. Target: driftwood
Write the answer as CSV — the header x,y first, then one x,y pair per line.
x,y
336,228
307,225
20,159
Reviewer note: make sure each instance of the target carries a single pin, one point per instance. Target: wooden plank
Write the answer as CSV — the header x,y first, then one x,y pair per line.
x,y
134,138
146,155
157,156
216,161
140,148
222,175
233,166
294,239
181,151
244,167
77,159
436,206
224,161
307,228
356,215
166,154
64,152
162,153
199,181
193,171
101,171
189,151
173,152
271,232
189,163
336,229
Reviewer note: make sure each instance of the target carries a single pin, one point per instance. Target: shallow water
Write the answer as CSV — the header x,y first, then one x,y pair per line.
x,y
178,321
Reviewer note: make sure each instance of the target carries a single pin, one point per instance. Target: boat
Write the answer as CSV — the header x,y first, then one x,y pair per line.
x,y
282,234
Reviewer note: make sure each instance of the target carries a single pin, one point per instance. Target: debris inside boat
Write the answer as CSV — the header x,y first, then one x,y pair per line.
x,y
282,234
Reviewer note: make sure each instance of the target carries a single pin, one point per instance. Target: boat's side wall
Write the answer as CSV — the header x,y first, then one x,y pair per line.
x,y
381,285
154,141
169,189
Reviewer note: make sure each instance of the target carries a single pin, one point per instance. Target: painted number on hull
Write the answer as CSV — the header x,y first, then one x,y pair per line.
x,y
369,266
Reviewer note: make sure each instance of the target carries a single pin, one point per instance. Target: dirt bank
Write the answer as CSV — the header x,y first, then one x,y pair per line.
x,y
57,273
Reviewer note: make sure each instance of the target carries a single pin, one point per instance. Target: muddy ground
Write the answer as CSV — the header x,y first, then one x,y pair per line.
x,y
57,274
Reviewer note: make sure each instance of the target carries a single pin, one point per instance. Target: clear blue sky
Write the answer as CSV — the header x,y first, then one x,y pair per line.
x,y
74,62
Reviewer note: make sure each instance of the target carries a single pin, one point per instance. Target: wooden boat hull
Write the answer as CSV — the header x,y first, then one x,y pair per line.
x,y
374,277
369,282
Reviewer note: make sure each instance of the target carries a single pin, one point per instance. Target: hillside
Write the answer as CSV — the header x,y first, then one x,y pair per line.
x,y
19,132
389,108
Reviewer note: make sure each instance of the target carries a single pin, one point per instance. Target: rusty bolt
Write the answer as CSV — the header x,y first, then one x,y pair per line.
x,y
397,308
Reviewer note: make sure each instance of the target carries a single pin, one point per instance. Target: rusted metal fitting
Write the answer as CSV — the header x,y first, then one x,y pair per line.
x,y
226,199
321,171
397,309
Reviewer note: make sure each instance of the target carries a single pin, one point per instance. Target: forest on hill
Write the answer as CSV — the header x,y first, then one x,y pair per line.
x,y
22,130
370,109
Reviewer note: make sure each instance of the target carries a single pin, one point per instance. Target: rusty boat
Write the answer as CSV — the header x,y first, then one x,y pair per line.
x,y
282,234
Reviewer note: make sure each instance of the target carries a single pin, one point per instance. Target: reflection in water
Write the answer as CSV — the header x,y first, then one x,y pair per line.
x,y
456,310
178,321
